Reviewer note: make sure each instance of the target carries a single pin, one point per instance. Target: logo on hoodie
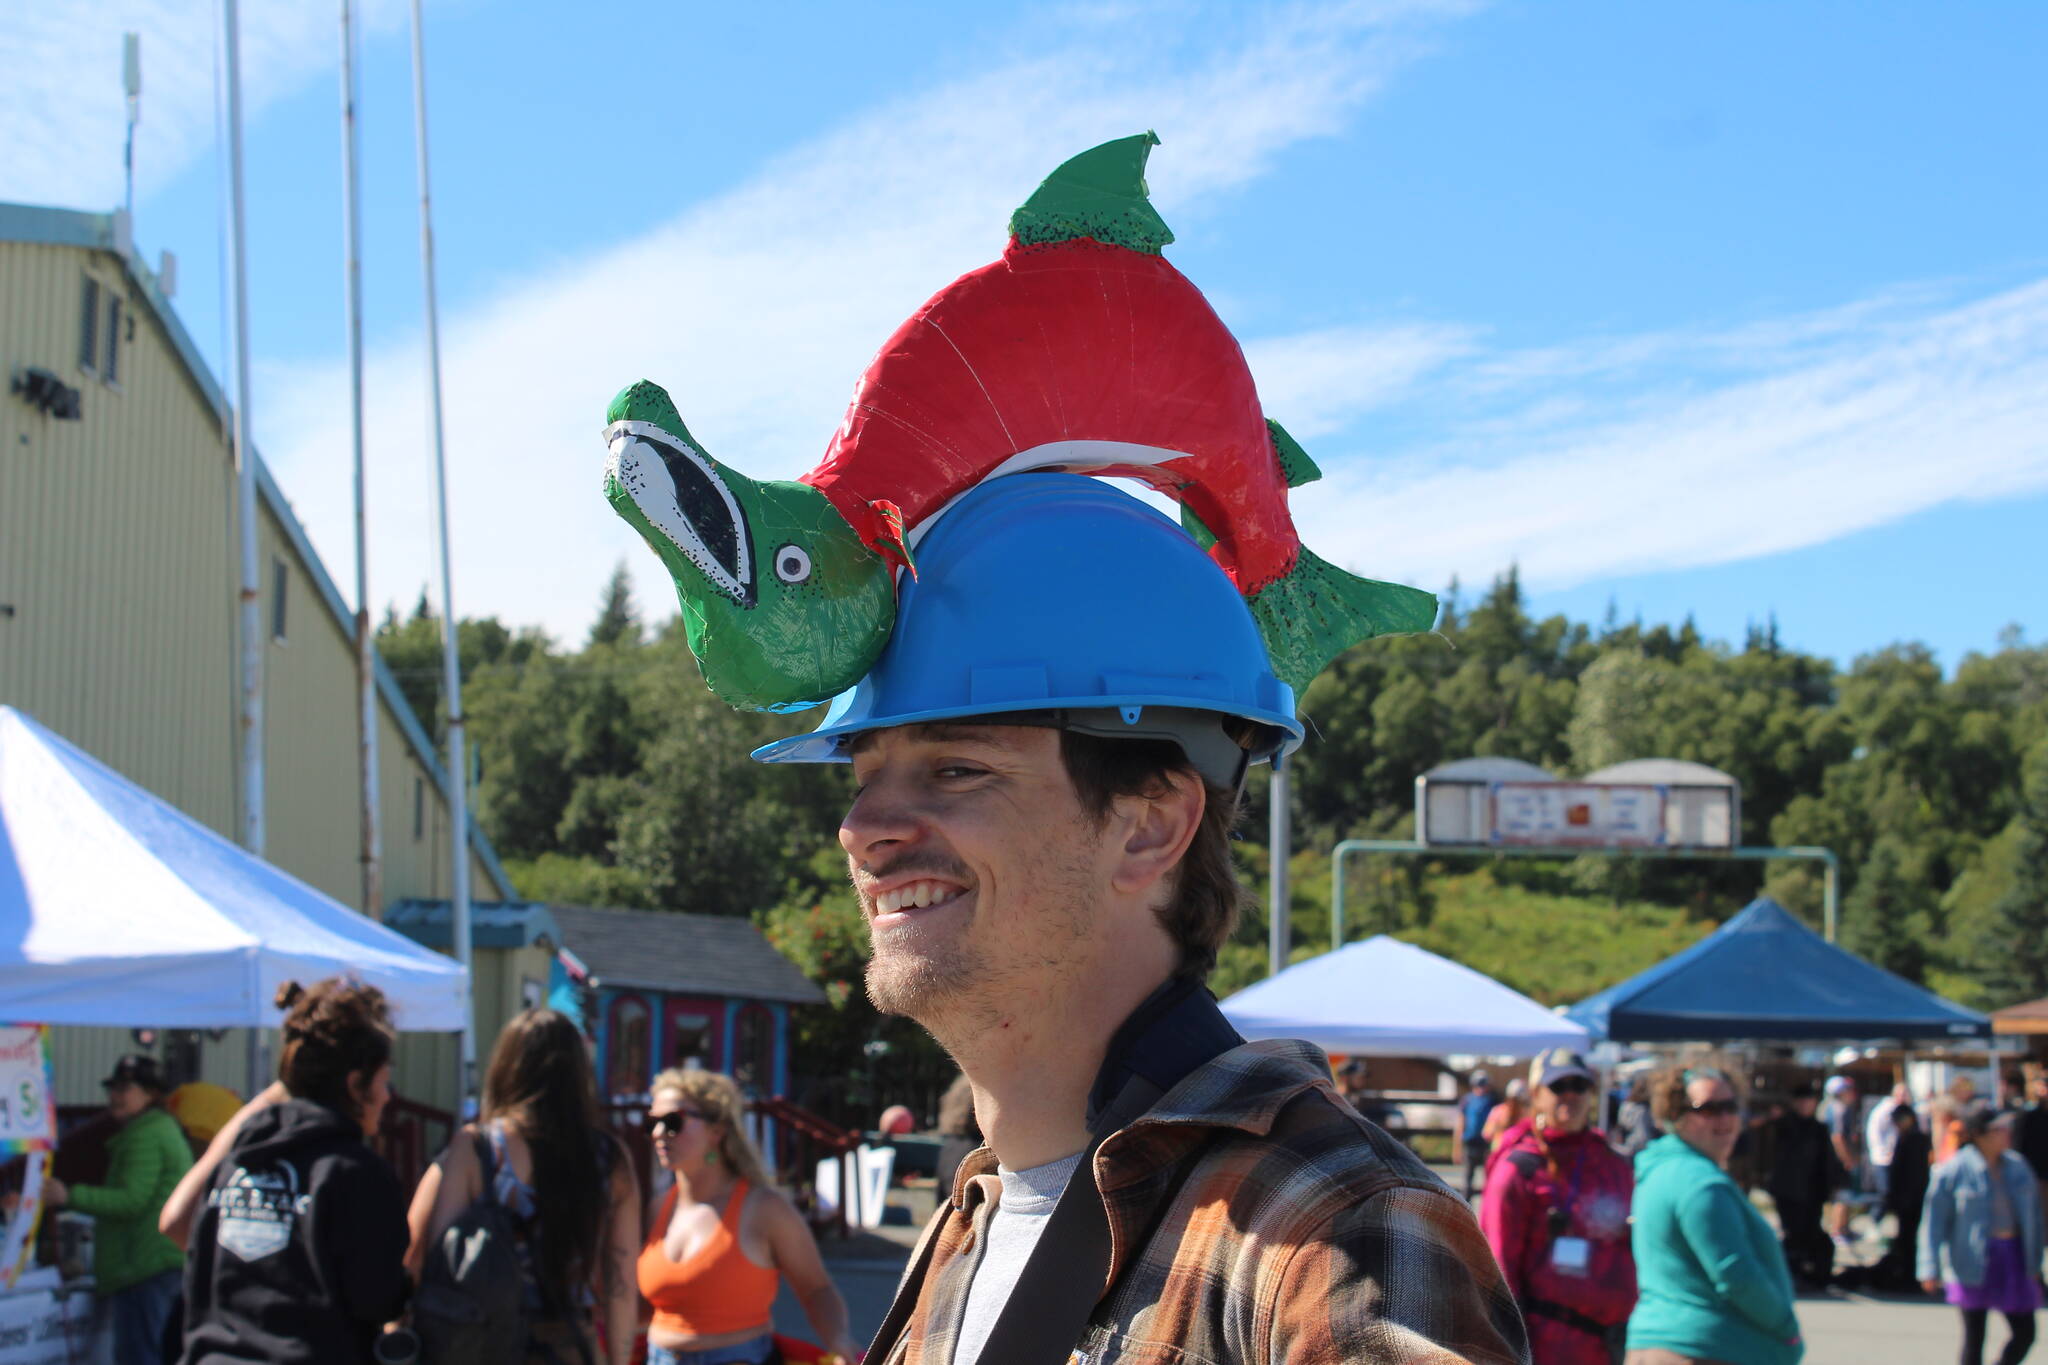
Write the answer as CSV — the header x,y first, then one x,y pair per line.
x,y
258,1210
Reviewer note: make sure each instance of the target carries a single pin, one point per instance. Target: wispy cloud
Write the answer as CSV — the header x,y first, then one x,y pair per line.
x,y
63,116
1683,449
1445,453
758,309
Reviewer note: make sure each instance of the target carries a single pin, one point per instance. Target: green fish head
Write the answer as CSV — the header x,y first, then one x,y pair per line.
x,y
783,605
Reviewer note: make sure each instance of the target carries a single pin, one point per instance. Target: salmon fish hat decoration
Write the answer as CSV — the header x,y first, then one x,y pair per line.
x,y
1081,350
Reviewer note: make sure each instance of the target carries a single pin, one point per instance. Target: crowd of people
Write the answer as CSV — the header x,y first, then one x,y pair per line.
x,y
292,1240
1622,1244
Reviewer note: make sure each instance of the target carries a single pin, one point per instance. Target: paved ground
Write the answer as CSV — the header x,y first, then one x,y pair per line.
x,y
1841,1328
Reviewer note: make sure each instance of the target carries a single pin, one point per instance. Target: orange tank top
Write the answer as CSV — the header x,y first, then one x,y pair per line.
x,y
713,1291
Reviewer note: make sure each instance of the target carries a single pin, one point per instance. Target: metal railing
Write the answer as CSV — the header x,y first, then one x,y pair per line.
x,y
412,1134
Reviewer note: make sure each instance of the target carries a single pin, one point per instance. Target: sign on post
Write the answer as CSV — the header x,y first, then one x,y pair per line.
x,y
28,1123
1641,805
1560,814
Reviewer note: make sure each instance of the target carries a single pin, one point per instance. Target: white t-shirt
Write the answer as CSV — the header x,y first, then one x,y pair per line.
x,y
1880,1134
1013,1228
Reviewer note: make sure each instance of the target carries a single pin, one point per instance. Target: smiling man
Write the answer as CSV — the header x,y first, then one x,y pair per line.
x,y
1049,756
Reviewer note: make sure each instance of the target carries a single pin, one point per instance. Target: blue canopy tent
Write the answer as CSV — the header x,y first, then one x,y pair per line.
x,y
1765,975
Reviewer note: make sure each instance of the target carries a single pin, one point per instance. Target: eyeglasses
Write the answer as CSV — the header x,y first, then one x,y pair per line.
x,y
663,1125
1714,1109
1571,1085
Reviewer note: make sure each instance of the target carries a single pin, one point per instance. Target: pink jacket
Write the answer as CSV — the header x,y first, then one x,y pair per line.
x,y
1527,1176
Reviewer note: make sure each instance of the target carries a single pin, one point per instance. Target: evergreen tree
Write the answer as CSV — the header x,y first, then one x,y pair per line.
x,y
618,621
2016,944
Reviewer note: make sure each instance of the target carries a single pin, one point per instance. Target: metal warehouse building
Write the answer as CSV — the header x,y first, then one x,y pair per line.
x,y
118,604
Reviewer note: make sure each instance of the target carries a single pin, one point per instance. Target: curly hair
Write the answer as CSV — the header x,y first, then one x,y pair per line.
x,y
1207,897
333,1030
715,1093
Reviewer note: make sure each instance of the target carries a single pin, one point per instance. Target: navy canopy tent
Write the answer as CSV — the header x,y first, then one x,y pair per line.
x,y
1763,974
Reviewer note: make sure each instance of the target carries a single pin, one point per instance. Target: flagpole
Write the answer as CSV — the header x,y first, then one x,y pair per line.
x,y
251,711
371,852
451,664
249,727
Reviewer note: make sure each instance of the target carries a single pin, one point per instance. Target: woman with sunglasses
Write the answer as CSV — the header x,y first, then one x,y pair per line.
x,y
723,1238
1714,1284
1555,1210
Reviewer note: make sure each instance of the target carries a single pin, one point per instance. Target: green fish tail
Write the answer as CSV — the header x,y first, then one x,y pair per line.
x,y
1318,611
1100,194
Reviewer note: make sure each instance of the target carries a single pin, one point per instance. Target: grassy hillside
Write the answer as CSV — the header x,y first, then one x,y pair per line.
x,y
1556,949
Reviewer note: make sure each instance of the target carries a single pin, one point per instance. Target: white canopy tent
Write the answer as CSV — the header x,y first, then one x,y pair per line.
x,y
116,908
1386,998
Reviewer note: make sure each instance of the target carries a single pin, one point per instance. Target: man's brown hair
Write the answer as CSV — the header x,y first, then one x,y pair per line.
x,y
1206,896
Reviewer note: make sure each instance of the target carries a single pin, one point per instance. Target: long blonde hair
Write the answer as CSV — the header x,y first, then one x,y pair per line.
x,y
715,1094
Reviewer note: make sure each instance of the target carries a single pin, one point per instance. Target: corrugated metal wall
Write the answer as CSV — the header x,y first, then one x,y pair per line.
x,y
115,545
118,562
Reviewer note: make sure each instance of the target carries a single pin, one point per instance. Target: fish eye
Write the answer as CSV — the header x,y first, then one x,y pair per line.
x,y
792,564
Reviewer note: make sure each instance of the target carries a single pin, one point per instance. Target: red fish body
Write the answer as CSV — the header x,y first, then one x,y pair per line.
x,y
1050,345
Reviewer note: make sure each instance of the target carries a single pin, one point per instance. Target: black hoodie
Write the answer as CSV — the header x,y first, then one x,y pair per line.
x,y
299,1254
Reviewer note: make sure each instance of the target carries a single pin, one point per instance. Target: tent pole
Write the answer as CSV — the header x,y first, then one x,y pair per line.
x,y
451,663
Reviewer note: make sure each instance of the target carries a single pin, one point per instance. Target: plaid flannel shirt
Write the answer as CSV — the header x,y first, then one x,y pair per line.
x,y
1299,1233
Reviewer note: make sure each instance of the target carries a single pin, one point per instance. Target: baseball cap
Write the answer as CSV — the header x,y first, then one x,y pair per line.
x,y
136,1068
1481,1078
1837,1084
1558,1063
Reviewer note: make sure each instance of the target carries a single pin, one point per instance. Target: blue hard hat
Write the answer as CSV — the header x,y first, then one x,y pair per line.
x,y
1062,595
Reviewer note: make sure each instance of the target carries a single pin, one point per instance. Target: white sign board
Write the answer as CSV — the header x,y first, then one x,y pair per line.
x,y
866,1171
1595,814
26,1116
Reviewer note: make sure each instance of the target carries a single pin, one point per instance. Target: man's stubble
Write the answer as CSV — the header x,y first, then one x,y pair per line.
x,y
960,978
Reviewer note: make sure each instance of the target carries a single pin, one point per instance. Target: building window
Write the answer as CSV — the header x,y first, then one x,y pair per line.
x,y
89,324
279,578
419,809
113,371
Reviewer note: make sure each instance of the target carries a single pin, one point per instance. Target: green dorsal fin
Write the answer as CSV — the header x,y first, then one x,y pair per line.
x,y
1099,194
1295,465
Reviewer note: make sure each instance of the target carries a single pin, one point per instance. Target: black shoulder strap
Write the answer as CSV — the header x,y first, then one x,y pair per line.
x,y
1174,1031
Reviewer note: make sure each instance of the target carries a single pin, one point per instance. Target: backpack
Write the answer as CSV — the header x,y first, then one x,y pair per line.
x,y
468,1309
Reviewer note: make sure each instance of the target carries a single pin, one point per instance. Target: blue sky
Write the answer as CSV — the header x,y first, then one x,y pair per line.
x,y
1723,309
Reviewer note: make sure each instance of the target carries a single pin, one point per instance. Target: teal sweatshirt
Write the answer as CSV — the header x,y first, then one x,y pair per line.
x,y
144,1161
1713,1282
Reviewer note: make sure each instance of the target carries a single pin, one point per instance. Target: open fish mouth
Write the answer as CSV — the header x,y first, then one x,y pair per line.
x,y
679,491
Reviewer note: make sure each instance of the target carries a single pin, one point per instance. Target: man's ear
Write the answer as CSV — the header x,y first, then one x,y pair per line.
x,y
1156,831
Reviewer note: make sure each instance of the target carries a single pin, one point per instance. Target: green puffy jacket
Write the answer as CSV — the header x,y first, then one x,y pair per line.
x,y
1711,1276
145,1160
